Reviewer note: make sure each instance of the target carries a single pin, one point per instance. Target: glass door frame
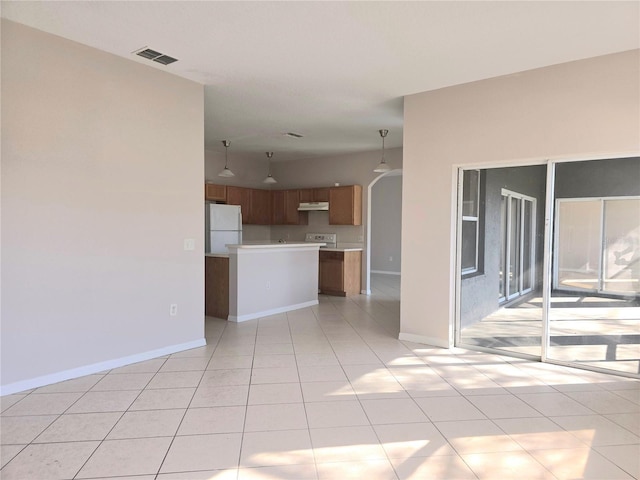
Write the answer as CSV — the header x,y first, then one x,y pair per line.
x,y
547,260
509,194
459,174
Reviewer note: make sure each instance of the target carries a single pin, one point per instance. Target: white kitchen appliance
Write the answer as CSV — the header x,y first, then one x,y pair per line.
x,y
331,239
313,206
223,226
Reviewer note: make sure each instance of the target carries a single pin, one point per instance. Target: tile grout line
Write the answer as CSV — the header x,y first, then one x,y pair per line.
x,y
173,438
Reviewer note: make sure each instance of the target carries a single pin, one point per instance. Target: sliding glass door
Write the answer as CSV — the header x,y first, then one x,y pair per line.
x,y
594,314
592,302
500,300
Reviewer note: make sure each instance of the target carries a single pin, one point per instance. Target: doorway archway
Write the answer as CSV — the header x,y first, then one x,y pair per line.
x,y
370,219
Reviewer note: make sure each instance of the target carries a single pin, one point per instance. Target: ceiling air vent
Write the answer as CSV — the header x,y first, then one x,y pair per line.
x,y
155,56
165,59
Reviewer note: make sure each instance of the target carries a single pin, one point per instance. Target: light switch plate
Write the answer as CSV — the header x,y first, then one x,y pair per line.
x,y
189,244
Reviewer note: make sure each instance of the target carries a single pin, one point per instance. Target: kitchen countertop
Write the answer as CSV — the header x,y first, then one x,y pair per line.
x,y
276,245
254,245
344,247
340,247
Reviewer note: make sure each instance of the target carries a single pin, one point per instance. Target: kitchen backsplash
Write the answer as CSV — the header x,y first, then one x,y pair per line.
x,y
252,233
318,223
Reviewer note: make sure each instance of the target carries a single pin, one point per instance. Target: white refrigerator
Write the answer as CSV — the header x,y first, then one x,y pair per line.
x,y
223,227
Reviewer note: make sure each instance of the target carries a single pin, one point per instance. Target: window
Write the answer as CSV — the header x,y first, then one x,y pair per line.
x,y
597,245
471,257
517,249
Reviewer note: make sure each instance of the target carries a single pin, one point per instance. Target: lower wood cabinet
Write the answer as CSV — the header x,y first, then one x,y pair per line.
x,y
339,273
216,287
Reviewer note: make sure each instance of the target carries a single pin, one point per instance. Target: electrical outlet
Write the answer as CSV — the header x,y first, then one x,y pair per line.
x,y
268,285
173,309
391,259
189,244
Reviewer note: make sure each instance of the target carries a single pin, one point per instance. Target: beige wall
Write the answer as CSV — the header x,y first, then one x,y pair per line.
x,y
249,170
102,164
386,224
583,109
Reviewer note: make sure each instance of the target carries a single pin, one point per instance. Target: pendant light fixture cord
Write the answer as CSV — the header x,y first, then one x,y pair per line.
x,y
225,171
226,144
382,166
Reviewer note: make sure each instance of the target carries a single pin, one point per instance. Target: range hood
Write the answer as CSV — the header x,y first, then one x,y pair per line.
x,y
311,206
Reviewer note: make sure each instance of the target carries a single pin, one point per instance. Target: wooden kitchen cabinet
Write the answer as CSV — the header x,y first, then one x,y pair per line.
x,y
216,287
314,195
345,205
215,193
284,208
242,197
255,204
291,214
260,207
277,207
339,273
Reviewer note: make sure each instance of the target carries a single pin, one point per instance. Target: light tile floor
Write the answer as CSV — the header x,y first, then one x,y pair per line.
x,y
325,393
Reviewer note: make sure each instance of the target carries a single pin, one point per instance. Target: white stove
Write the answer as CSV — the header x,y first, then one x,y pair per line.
x,y
331,239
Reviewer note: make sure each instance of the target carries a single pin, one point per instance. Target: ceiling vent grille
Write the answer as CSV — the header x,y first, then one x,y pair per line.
x,y
155,56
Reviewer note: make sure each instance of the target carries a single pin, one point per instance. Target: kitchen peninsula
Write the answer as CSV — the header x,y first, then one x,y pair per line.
x,y
263,279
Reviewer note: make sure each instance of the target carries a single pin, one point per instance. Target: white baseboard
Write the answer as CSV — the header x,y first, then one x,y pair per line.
x,y
96,367
273,311
436,342
365,292
384,272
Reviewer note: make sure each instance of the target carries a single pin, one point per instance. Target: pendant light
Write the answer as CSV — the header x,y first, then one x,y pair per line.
x,y
226,172
382,166
269,178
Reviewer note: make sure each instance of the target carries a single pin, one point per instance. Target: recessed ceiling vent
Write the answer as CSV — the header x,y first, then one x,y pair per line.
x,y
155,56
293,135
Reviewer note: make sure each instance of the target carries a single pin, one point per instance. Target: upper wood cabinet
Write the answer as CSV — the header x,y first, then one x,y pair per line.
x,y
345,205
280,207
277,207
240,196
291,214
260,209
314,195
284,208
255,204
215,193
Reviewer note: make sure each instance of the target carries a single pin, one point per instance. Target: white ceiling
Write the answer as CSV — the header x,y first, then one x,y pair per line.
x,y
335,72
